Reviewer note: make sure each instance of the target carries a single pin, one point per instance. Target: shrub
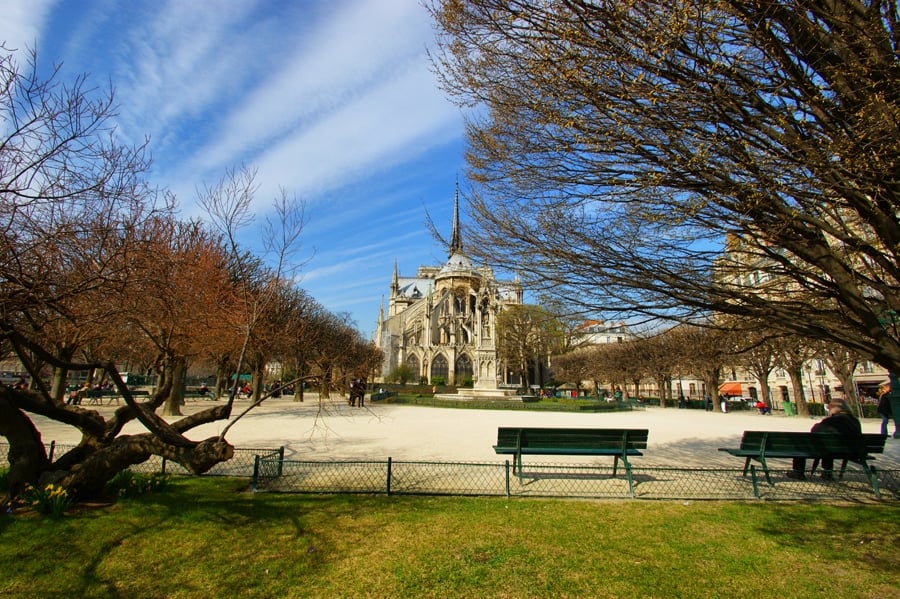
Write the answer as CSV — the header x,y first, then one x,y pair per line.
x,y
401,374
51,499
130,484
438,381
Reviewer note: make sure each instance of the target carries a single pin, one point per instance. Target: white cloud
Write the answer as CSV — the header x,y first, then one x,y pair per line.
x,y
22,22
355,96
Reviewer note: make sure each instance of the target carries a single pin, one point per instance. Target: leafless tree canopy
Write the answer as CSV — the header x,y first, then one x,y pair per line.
x,y
97,271
620,147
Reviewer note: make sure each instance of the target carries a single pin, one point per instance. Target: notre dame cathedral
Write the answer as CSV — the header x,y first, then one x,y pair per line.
x,y
442,322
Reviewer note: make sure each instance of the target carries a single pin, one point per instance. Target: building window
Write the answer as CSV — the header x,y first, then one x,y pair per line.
x,y
440,367
463,369
413,363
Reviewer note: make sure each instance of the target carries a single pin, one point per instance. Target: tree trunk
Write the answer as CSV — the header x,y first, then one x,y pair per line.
x,y
58,383
712,382
27,457
800,405
176,395
257,384
102,465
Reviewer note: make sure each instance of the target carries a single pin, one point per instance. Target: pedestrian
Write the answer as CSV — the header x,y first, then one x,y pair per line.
x,y
709,404
723,403
886,412
840,421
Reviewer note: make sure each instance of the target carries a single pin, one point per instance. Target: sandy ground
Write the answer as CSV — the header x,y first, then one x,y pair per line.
x,y
332,430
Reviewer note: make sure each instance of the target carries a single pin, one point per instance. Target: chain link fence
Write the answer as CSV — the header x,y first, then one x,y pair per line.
x,y
563,480
268,471
241,465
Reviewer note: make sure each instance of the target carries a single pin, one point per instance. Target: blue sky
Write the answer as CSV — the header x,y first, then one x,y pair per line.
x,y
333,101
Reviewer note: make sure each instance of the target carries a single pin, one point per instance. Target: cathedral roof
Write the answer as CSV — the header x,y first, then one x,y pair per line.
x,y
458,263
414,288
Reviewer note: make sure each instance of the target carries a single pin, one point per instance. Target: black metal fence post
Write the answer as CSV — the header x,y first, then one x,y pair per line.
x,y
389,472
755,482
255,479
506,467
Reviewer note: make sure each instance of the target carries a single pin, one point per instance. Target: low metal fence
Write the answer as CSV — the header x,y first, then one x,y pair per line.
x,y
563,480
241,465
269,471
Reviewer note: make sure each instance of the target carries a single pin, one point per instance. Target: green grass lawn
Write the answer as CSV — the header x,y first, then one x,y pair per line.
x,y
209,537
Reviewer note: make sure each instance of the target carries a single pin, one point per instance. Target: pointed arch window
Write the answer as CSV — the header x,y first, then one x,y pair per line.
x,y
463,368
440,367
413,363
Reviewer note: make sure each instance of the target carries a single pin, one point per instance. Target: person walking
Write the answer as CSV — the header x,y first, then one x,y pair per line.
x,y
886,412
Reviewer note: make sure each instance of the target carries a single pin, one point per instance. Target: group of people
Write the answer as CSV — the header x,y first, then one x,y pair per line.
x,y
357,392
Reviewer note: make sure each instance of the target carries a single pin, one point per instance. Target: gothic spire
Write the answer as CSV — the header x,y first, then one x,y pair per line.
x,y
455,236
395,280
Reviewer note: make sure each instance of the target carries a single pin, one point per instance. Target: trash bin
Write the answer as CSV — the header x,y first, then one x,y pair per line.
x,y
788,408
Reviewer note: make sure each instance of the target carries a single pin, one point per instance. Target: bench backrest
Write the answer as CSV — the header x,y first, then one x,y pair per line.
x,y
575,438
813,443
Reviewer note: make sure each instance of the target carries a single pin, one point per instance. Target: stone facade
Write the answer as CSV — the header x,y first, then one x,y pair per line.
x,y
442,322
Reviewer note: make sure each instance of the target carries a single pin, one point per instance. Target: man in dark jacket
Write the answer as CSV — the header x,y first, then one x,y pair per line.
x,y
840,421
885,411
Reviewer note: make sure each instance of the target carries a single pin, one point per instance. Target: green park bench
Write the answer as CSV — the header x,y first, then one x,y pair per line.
x,y
761,446
96,396
616,442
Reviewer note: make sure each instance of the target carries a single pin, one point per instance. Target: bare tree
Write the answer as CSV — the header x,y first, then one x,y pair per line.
x,y
662,355
72,202
759,356
794,352
705,351
842,363
617,147
526,336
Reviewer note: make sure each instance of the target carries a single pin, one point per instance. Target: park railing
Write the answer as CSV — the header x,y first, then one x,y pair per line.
x,y
269,471
562,480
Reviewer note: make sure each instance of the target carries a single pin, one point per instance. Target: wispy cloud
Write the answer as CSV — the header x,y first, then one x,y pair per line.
x,y
22,23
332,101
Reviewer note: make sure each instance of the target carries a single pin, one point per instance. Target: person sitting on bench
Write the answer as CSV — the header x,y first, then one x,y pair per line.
x,y
841,421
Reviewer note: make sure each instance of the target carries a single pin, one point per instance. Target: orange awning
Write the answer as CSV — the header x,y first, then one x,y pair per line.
x,y
730,389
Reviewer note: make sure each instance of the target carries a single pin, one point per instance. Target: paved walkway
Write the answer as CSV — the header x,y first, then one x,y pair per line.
x,y
332,430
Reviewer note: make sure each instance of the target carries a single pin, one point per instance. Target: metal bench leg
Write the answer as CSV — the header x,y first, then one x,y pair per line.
x,y
616,464
765,467
872,475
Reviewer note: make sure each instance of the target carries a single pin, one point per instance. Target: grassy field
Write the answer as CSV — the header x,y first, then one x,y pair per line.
x,y
209,537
